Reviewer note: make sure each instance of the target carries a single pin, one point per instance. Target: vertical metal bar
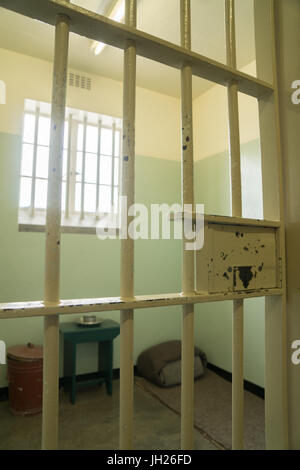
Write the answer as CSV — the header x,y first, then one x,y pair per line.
x,y
67,204
35,145
187,196
127,244
113,163
53,220
236,208
83,168
98,168
276,406
73,166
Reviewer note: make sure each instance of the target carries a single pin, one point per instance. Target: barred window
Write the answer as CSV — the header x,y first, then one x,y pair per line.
x,y
91,164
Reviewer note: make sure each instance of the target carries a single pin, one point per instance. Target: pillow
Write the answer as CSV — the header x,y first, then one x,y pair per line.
x,y
153,360
171,373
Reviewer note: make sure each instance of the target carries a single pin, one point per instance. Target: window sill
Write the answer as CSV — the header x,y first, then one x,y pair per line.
x,y
68,225
65,229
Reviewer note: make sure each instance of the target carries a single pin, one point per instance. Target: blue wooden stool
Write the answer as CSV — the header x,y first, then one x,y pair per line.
x,y
104,335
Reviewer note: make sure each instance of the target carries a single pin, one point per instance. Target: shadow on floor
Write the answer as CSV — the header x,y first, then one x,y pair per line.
x,y
93,424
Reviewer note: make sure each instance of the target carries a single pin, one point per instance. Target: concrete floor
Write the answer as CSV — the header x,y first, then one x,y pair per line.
x,y
92,423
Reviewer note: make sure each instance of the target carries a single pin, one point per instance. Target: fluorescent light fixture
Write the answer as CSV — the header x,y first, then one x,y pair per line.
x,y
117,14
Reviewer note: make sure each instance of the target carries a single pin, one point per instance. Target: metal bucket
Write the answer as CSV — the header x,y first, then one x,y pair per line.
x,y
25,377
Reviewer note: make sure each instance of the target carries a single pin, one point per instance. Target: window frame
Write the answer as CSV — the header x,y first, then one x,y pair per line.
x,y
32,218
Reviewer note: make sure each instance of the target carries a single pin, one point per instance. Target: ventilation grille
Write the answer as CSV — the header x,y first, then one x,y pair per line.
x,y
80,81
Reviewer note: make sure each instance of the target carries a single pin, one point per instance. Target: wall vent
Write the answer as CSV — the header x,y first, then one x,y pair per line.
x,y
80,81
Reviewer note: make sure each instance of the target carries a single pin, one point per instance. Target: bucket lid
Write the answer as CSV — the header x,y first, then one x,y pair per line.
x,y
28,352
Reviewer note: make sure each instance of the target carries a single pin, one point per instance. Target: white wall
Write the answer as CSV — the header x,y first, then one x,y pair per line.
x,y
211,119
158,115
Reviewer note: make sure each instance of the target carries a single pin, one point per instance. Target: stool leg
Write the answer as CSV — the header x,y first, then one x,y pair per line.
x,y
70,368
106,363
73,382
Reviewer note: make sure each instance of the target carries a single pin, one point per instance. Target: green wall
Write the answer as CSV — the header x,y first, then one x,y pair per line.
x,y
214,322
90,267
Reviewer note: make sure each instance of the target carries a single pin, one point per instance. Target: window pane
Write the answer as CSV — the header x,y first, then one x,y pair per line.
x,y
66,135
80,137
28,132
105,170
89,198
90,168
78,197
78,166
106,141
117,143
44,131
116,171
42,161
25,192
27,159
40,201
91,139
105,199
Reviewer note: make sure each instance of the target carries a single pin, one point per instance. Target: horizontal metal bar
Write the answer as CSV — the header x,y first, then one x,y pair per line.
x,y
74,306
84,230
89,24
228,220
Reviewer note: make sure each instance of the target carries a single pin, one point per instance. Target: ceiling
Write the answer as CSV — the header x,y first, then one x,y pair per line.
x,y
157,17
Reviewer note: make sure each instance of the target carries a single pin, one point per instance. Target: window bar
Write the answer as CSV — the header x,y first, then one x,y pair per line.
x,y
113,165
83,168
187,190
127,244
236,208
53,221
35,146
67,204
98,169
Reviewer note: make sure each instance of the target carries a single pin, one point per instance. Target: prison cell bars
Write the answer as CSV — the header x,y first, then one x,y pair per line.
x,y
98,169
148,46
276,424
236,211
113,165
83,168
34,160
187,197
127,244
53,221
67,201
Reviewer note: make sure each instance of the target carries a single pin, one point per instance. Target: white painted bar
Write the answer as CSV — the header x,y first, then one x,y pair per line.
x,y
113,164
83,169
74,306
53,220
187,197
276,407
236,208
102,29
34,161
227,220
67,203
98,168
127,244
